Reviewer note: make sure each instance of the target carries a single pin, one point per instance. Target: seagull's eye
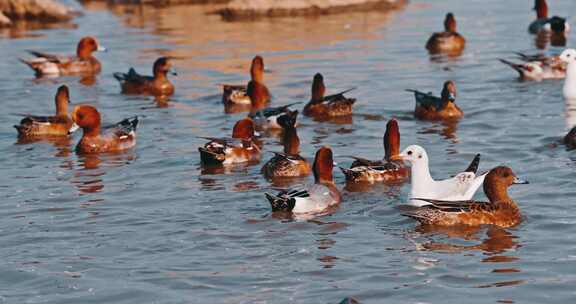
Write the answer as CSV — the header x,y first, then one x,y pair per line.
x,y
409,153
420,156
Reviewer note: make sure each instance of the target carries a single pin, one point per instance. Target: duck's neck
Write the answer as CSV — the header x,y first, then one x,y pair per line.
x,y
498,194
420,176
91,132
291,141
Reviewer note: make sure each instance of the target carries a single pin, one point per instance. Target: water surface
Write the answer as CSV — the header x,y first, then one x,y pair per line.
x,y
150,226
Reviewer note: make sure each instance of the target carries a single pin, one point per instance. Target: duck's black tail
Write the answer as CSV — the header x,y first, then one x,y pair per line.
x,y
281,203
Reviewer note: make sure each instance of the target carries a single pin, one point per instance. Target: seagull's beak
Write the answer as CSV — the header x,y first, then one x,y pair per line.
x,y
518,181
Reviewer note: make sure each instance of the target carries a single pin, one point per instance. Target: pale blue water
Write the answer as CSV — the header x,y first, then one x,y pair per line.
x,y
148,227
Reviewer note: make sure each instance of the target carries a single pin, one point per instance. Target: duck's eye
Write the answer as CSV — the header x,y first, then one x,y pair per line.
x,y
409,153
506,175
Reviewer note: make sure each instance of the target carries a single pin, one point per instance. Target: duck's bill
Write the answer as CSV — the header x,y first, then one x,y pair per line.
x,y
398,157
452,97
173,72
518,181
101,49
73,128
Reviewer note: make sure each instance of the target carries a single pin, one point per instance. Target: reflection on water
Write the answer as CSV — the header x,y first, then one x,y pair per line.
x,y
91,168
447,129
62,144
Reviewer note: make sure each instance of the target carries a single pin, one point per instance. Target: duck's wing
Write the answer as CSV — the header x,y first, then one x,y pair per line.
x,y
271,111
359,161
338,96
427,100
123,129
133,77
289,157
439,208
50,57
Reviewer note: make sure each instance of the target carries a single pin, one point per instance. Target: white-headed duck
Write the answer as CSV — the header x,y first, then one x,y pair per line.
x,y
54,65
500,210
118,137
386,170
321,106
157,85
429,107
448,41
289,163
313,199
240,148
59,125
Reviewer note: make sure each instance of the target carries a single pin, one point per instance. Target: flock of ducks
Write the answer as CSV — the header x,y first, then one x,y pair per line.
x,y
436,202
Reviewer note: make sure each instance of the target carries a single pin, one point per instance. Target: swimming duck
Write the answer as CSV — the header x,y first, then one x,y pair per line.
x,y
267,118
327,106
543,23
569,57
53,65
386,170
238,149
570,139
115,138
429,107
448,41
500,210
158,85
460,187
289,163
59,125
315,198
538,67
254,94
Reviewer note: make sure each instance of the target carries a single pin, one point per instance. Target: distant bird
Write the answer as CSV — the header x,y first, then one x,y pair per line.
x,y
288,163
240,148
59,125
538,67
389,169
429,107
321,106
553,24
157,85
255,94
449,41
55,65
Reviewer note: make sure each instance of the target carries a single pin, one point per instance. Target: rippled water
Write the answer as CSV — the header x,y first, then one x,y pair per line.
x,y
149,226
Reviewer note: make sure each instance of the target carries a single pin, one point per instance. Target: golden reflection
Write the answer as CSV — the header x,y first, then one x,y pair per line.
x,y
63,144
542,39
91,168
28,28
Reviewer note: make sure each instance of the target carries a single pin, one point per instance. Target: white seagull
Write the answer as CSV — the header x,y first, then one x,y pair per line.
x,y
458,188
569,56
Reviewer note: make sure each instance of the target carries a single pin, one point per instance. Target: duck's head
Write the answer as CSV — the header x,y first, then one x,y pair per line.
x,y
244,129
497,182
87,46
323,165
541,9
163,66
288,119
558,25
87,118
391,140
450,23
318,88
413,154
568,56
257,69
448,92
